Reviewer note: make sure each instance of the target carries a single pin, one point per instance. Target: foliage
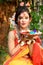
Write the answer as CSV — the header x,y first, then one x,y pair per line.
x,y
41,10
36,17
3,1
35,21
3,54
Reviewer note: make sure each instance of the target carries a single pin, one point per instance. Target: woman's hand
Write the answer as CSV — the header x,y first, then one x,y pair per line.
x,y
37,39
21,42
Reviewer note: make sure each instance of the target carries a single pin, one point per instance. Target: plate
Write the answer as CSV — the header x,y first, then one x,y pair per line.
x,y
31,34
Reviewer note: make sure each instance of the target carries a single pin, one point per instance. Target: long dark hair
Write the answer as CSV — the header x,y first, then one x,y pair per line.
x,y
21,9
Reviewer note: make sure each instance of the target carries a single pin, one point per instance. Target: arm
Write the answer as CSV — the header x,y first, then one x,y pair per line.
x,y
11,44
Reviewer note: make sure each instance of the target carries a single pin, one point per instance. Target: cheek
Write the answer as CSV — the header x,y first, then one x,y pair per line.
x,y
28,21
18,23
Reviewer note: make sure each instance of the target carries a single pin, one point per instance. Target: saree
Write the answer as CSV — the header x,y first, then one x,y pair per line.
x,y
19,58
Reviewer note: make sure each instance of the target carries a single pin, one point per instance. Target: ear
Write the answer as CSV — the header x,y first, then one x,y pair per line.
x,y
30,19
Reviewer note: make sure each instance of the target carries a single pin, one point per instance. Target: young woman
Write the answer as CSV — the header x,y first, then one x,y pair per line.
x,y
22,51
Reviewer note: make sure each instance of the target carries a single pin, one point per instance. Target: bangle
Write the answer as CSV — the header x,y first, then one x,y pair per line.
x,y
22,43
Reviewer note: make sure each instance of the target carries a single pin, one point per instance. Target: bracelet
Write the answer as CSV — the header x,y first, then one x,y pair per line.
x,y
22,43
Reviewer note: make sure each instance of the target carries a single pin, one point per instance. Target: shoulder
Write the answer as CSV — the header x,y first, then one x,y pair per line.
x,y
12,34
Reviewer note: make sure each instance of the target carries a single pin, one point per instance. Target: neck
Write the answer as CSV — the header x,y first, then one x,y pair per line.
x,y
24,30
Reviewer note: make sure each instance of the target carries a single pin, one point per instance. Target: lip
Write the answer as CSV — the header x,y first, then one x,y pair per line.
x,y
23,23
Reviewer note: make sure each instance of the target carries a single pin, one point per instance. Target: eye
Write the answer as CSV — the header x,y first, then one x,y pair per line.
x,y
20,17
26,17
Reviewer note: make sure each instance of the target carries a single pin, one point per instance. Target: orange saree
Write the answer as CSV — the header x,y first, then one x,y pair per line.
x,y
19,57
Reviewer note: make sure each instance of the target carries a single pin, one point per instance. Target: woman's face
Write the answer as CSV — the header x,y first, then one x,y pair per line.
x,y
23,20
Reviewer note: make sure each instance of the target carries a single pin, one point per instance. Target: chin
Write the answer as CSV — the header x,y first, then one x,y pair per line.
x,y
24,27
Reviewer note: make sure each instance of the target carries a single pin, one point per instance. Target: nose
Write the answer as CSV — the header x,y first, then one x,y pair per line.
x,y
23,20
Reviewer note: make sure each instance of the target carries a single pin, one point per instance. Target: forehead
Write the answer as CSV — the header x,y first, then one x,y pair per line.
x,y
24,14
